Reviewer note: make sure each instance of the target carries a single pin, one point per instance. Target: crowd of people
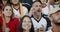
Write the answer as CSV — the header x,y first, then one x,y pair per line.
x,y
29,16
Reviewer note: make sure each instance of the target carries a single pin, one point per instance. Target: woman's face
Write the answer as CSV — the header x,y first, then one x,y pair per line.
x,y
4,2
7,11
26,25
15,1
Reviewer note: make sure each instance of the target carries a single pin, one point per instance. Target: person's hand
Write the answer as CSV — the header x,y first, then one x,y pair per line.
x,y
7,30
31,11
43,3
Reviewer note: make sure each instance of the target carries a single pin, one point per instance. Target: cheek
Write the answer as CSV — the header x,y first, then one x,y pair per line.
x,y
10,12
23,24
56,18
30,25
4,12
36,8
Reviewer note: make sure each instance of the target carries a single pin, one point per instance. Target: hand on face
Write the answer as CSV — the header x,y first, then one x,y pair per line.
x,y
7,30
35,8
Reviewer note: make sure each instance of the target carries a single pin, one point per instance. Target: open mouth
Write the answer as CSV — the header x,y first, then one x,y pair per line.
x,y
38,11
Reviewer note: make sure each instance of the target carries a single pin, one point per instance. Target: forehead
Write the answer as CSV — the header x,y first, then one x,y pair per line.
x,y
56,14
7,7
26,18
37,3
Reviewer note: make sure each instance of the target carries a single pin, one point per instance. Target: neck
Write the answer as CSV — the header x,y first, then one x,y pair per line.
x,y
16,6
38,17
26,31
7,19
56,28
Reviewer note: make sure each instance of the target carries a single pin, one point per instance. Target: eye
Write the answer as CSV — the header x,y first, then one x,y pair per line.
x,y
39,5
24,21
36,6
29,22
6,9
10,9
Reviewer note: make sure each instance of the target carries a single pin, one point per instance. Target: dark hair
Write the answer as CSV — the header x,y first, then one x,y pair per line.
x,y
40,0
37,1
20,29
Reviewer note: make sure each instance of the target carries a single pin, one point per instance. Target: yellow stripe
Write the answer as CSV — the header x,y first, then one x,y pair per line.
x,y
21,11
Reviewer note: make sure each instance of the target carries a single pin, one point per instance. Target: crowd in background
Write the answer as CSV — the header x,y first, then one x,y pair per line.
x,y
29,15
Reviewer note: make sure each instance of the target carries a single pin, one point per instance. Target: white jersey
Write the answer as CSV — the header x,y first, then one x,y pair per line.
x,y
39,24
17,13
45,10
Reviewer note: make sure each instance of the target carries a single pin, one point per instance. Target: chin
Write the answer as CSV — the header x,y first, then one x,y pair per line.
x,y
16,3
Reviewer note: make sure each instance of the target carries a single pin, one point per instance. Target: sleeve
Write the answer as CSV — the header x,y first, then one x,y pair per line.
x,y
16,24
25,10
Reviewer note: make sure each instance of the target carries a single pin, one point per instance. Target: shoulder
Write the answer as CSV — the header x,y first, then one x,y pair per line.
x,y
43,19
25,8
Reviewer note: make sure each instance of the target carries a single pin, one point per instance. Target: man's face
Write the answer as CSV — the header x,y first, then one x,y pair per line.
x,y
37,7
15,1
56,18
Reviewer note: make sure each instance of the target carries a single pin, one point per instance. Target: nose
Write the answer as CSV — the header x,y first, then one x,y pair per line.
x,y
27,23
